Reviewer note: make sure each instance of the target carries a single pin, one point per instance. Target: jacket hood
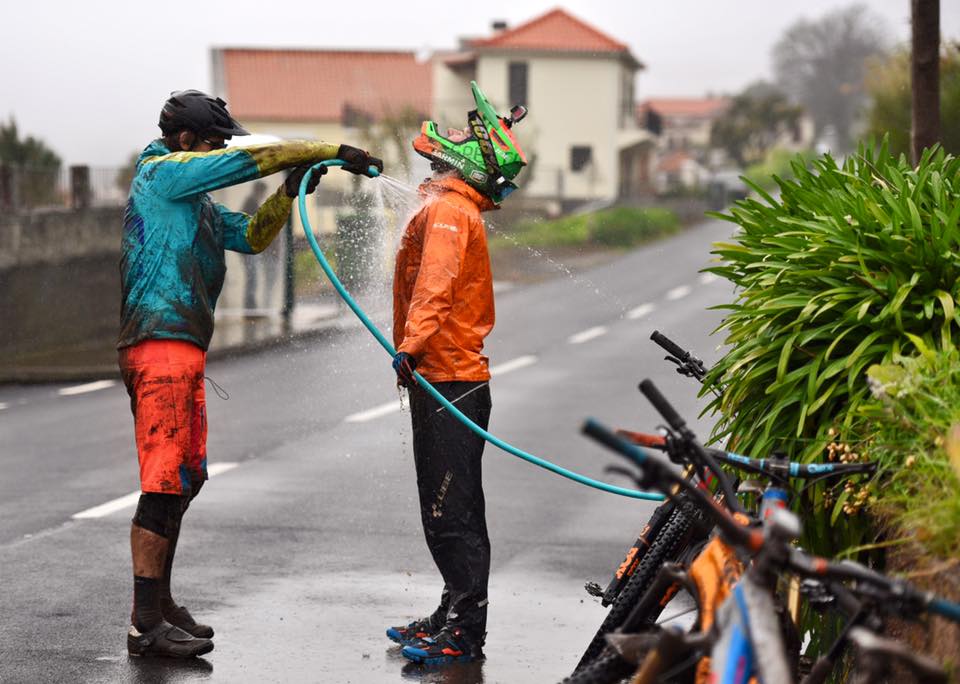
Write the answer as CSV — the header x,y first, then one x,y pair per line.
x,y
154,149
437,186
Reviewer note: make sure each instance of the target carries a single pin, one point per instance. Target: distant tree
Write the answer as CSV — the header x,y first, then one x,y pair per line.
x,y
757,119
888,83
36,167
821,64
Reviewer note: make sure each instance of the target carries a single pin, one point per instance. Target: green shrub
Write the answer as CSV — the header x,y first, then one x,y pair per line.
x,y
911,426
625,227
777,163
617,227
852,266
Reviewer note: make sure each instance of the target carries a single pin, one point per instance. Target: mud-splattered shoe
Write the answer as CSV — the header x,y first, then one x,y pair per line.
x,y
180,617
414,632
166,641
449,645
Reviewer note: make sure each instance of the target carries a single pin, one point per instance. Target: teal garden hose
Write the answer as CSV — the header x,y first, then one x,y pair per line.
x,y
509,448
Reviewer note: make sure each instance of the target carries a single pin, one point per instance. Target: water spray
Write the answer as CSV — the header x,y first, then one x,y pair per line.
x,y
509,448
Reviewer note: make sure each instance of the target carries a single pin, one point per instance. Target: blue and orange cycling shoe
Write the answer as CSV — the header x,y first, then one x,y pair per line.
x,y
415,631
449,645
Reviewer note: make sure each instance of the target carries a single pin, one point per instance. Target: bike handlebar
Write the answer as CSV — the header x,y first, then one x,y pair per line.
x,y
763,466
664,407
670,346
658,474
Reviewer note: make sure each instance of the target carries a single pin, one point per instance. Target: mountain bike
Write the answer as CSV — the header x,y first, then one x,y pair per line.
x,y
677,530
750,617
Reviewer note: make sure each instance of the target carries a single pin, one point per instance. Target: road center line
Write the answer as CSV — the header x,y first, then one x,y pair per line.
x,y
132,498
394,406
375,412
640,311
588,334
679,292
707,278
3,405
513,364
88,387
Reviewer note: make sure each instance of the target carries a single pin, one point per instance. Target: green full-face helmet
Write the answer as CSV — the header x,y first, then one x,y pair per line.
x,y
490,158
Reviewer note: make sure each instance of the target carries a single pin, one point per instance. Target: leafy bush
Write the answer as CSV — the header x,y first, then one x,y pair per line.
x,y
912,428
852,266
776,164
617,227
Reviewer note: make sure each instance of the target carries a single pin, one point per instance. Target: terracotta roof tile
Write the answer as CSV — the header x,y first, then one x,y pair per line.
x,y
685,106
555,30
320,85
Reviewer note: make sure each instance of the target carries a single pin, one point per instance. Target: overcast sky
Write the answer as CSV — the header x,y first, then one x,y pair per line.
x,y
89,76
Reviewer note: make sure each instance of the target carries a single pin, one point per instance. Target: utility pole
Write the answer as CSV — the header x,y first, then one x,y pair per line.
x,y
925,75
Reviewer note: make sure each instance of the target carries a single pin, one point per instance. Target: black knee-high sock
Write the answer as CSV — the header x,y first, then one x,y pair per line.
x,y
146,603
166,598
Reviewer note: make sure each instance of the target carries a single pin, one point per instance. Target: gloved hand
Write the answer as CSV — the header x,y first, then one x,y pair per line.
x,y
404,365
292,184
358,161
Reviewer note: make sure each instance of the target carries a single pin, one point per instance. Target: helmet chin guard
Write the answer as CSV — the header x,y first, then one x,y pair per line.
x,y
489,159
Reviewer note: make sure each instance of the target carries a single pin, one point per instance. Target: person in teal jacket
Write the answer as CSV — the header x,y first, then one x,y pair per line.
x,y
172,269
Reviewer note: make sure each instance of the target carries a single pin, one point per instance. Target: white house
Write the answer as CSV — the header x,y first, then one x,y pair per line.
x,y
581,134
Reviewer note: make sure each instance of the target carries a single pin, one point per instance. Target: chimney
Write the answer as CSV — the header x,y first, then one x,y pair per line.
x,y
498,25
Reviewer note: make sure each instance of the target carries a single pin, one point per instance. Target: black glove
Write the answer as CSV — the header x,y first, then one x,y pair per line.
x,y
358,161
404,365
292,184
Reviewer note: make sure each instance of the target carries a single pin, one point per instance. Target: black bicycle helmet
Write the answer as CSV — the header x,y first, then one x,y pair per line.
x,y
195,111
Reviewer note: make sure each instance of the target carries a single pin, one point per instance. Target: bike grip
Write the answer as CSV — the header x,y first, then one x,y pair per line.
x,y
663,406
643,439
669,345
945,608
594,430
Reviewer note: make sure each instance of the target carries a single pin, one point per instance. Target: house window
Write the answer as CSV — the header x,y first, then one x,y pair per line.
x,y
517,82
580,157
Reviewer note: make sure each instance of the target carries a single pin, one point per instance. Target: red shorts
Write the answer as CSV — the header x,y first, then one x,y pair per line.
x,y
164,379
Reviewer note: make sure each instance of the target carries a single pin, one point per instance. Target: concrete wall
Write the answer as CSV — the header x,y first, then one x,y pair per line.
x,y
59,290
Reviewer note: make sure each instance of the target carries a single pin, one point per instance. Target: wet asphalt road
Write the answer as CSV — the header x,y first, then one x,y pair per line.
x,y
304,551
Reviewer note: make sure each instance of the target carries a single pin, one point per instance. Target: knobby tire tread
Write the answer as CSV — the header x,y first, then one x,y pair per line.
x,y
666,547
607,668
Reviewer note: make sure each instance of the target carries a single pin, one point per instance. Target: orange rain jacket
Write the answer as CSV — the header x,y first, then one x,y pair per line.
x,y
442,285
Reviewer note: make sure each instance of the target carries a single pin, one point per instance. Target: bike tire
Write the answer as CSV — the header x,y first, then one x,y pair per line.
x,y
667,546
607,668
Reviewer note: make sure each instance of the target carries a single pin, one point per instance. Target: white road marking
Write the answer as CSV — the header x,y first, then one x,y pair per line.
x,y
707,278
679,292
375,412
3,405
89,387
132,498
587,335
394,406
640,311
513,364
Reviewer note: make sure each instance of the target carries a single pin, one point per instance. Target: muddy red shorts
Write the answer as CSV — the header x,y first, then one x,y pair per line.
x,y
164,379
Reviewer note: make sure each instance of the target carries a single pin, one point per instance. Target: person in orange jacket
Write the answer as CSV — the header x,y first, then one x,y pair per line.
x,y
442,311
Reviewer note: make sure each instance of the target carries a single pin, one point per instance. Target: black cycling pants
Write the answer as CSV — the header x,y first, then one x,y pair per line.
x,y
448,459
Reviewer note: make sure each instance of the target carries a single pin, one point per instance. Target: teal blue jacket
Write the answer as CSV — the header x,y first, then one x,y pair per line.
x,y
174,236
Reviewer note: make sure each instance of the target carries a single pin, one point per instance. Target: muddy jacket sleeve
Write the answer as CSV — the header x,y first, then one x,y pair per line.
x,y
183,174
444,247
253,233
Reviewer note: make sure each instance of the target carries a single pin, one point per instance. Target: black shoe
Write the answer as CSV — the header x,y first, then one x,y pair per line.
x,y
449,645
415,631
181,617
166,641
